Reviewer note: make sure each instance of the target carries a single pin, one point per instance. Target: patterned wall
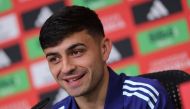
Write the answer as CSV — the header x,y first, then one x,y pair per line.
x,y
147,35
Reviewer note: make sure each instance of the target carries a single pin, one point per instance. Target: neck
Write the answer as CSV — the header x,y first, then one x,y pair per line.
x,y
96,98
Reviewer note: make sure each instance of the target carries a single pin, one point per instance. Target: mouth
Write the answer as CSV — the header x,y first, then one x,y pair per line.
x,y
74,80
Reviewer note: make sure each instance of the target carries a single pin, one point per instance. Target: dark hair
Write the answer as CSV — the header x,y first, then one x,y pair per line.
x,y
66,22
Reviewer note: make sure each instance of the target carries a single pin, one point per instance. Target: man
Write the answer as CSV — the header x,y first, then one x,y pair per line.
x,y
76,48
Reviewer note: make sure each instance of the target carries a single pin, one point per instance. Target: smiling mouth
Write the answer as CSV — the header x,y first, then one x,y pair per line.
x,y
74,78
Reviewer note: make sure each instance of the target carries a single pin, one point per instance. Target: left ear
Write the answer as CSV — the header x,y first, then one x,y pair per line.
x,y
106,46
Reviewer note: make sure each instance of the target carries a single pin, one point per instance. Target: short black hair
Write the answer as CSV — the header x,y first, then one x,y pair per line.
x,y
67,21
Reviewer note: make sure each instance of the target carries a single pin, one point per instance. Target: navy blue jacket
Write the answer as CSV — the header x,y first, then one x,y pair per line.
x,y
126,92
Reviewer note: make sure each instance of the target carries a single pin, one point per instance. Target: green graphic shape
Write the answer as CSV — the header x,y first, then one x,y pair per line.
x,y
95,4
33,48
188,1
5,5
13,83
163,36
129,70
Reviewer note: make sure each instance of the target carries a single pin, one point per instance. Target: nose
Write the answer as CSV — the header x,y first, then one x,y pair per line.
x,y
67,66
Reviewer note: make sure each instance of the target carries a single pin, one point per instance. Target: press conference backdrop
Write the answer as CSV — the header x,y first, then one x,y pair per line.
x,y
147,35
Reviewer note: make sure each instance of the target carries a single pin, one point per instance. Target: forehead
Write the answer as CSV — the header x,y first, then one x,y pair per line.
x,y
79,37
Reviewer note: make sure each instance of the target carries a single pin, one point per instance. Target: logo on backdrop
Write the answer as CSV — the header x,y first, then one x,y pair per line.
x,y
113,22
5,61
121,49
163,36
155,9
10,55
35,18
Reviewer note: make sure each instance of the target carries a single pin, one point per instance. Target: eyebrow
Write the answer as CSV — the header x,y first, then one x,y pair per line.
x,y
74,46
67,50
49,54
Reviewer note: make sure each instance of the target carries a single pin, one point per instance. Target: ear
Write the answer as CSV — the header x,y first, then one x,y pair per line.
x,y
106,46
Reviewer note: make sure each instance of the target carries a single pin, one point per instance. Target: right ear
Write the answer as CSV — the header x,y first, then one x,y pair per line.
x,y
106,46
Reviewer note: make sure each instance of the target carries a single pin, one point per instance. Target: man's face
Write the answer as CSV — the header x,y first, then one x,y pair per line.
x,y
78,63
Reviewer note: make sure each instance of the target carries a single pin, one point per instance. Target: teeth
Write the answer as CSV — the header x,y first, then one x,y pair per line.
x,y
73,80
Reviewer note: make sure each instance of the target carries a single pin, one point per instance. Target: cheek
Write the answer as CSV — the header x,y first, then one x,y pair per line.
x,y
95,64
54,70
88,62
91,60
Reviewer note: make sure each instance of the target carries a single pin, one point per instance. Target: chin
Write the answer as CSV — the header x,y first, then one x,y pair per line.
x,y
76,94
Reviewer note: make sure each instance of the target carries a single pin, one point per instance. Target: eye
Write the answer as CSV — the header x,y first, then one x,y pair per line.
x,y
54,60
77,52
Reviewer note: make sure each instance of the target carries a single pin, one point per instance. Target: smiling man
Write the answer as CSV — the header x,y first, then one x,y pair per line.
x,y
76,48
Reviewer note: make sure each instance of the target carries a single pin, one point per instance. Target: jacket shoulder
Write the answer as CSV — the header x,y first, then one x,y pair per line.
x,y
63,104
147,93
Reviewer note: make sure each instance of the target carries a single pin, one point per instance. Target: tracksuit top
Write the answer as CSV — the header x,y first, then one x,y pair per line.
x,y
126,92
